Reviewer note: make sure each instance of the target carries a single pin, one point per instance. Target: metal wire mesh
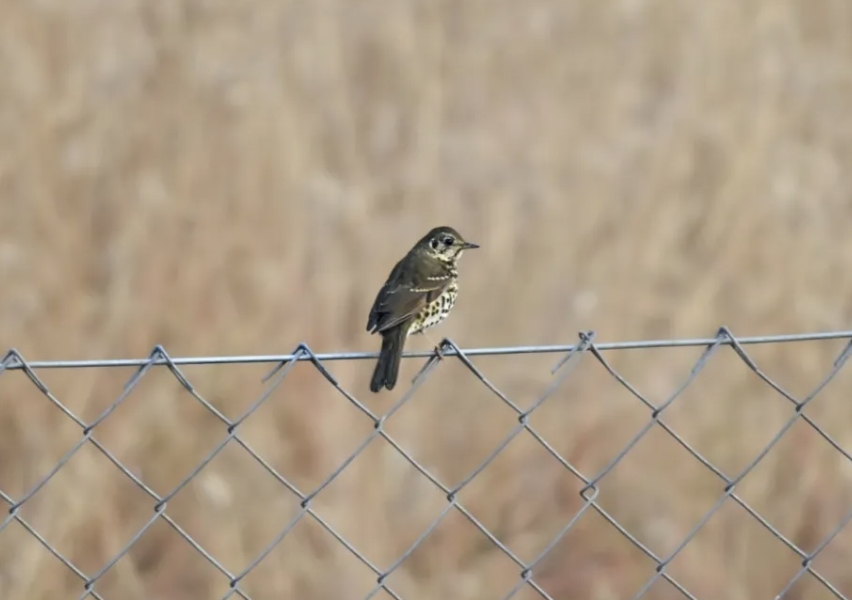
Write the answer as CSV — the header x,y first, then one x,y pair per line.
x,y
159,358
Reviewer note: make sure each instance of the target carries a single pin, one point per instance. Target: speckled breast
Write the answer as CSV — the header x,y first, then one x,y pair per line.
x,y
436,311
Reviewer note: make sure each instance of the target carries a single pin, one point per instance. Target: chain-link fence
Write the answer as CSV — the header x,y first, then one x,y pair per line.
x,y
525,569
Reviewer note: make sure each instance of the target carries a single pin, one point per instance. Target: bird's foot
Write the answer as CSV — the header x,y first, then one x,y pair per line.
x,y
438,349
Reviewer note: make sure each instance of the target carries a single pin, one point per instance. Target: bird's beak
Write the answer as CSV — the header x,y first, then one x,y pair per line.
x,y
469,246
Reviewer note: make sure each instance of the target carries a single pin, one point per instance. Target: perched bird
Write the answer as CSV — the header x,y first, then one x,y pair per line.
x,y
418,294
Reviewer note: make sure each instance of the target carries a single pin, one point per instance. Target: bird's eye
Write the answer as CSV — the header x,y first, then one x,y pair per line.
x,y
448,241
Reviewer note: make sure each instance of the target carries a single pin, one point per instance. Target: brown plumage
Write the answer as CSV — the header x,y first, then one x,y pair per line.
x,y
418,294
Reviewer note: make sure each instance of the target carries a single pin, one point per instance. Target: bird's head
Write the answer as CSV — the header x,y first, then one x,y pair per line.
x,y
445,244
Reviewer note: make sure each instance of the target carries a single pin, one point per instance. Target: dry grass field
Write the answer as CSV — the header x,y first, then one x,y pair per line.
x,y
228,177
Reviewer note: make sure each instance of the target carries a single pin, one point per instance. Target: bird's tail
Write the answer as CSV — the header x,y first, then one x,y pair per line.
x,y
387,367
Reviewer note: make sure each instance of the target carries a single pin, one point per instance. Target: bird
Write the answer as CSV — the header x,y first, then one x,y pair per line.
x,y
418,294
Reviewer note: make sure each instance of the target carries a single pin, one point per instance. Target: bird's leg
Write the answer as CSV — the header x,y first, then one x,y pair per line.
x,y
435,347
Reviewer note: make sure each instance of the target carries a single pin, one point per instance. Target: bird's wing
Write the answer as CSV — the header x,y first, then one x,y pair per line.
x,y
406,293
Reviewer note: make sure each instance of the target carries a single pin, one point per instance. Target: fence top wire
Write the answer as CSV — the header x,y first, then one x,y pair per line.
x,y
488,351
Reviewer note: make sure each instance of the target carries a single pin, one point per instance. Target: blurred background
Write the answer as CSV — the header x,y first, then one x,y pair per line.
x,y
229,177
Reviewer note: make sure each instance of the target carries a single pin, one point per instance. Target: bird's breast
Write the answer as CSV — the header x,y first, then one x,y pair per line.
x,y
436,311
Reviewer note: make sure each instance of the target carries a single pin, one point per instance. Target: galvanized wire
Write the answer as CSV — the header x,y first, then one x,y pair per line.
x,y
569,354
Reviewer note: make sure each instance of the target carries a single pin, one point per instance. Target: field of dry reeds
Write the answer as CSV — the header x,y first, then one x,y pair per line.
x,y
228,177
